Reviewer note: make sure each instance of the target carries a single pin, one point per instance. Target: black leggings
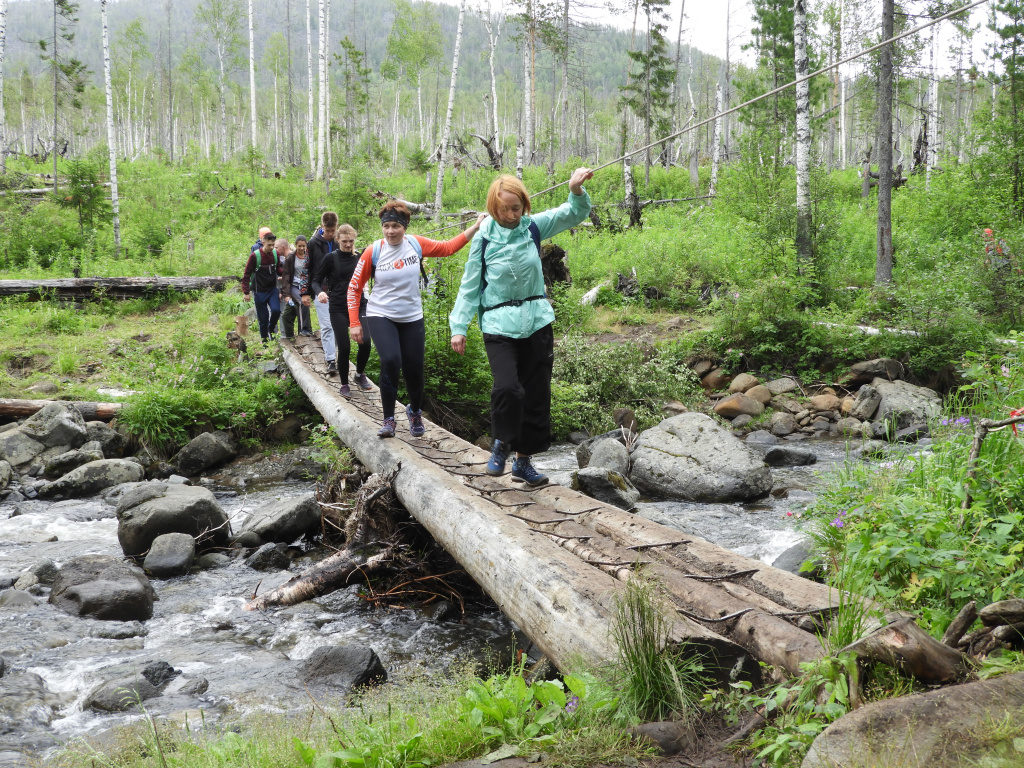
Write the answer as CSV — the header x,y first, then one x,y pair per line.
x,y
521,394
399,346
339,322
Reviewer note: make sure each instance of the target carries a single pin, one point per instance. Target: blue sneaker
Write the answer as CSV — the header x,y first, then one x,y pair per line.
x,y
388,428
416,428
523,471
499,455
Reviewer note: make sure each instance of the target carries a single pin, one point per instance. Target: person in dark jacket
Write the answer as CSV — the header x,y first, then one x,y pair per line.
x,y
320,245
330,286
293,275
261,273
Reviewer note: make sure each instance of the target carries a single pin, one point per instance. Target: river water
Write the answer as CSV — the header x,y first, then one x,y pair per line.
x,y
54,661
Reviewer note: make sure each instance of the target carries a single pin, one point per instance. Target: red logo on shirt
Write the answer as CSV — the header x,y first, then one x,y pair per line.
x,y
399,264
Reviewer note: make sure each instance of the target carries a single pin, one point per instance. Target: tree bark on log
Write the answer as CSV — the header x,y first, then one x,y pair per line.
x,y
19,409
565,606
909,648
111,287
967,616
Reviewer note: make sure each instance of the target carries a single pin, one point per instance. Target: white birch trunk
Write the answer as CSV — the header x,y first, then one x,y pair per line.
x,y
842,88
322,115
252,81
520,147
933,115
564,138
111,136
804,253
277,129
329,161
448,116
527,102
493,32
419,108
309,81
3,114
716,141
394,125
223,108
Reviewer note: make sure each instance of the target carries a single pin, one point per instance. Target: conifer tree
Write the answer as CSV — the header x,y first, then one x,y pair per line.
x,y
69,74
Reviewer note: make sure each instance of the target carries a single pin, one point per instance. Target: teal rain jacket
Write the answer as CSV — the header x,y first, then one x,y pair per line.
x,y
513,272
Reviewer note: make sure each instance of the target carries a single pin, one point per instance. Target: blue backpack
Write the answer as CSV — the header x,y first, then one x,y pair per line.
x,y
378,244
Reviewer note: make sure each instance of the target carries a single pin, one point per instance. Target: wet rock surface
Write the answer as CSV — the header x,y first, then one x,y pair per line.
x,y
102,587
153,509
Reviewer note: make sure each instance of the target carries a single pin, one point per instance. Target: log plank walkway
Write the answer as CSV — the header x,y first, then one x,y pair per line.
x,y
554,559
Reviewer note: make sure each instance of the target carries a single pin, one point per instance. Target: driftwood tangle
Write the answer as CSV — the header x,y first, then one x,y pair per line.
x,y
84,288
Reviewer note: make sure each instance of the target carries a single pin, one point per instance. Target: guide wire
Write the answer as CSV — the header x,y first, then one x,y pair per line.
x,y
744,105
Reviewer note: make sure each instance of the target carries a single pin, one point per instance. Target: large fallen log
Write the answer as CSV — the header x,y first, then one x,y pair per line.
x,y
19,409
84,288
564,605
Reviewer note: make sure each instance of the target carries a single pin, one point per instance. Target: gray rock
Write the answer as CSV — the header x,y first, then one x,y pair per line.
x,y
871,449
850,426
286,430
17,448
584,449
865,405
884,367
788,456
782,386
606,485
578,437
171,554
761,437
737,405
195,687
212,560
342,668
112,442
210,449
782,424
178,480
26,581
92,478
948,728
159,673
610,454
45,570
879,431
12,599
1002,612
153,509
6,474
26,705
3,666
691,457
118,630
670,737
248,540
741,421
62,464
121,695
57,424
911,434
792,561
269,557
285,520
103,587
905,403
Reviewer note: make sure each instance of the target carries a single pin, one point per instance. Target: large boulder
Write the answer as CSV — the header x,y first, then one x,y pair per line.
x,y
691,457
610,454
57,424
866,403
112,443
761,393
210,449
342,668
586,448
92,478
867,371
743,382
103,587
149,510
17,448
171,554
606,485
285,520
63,463
738,405
905,403
970,724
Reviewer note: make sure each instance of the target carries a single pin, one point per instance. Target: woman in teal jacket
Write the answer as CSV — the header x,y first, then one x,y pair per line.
x,y
503,285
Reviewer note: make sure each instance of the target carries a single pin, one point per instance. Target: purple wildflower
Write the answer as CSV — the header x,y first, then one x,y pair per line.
x,y
838,523
572,704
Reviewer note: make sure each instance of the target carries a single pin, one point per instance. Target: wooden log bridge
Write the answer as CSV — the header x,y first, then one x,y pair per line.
x,y
555,560
85,288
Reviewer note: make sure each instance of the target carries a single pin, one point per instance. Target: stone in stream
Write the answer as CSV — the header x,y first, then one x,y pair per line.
x,y
57,424
17,448
741,421
911,434
792,561
92,478
210,449
971,724
285,520
151,509
195,687
789,456
112,443
866,403
6,474
782,424
850,426
62,464
762,437
342,668
171,554
736,405
586,448
44,570
610,454
103,587
269,557
606,485
13,599
906,404
691,457
121,695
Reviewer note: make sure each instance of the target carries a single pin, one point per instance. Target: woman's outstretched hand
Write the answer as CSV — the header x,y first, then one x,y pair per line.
x,y
578,177
476,226
459,344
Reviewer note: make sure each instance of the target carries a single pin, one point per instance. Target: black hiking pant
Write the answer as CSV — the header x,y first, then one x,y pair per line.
x,y
521,393
400,347
339,322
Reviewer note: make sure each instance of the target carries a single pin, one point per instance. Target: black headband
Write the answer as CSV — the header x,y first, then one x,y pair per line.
x,y
396,216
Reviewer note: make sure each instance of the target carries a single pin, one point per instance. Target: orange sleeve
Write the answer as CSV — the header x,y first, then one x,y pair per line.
x,y
438,249
360,276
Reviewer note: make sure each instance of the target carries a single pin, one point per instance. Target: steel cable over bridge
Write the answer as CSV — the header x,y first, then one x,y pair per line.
x,y
555,560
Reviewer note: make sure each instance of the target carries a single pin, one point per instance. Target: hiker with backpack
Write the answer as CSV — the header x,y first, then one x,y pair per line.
x,y
503,285
260,278
321,245
294,274
330,286
394,312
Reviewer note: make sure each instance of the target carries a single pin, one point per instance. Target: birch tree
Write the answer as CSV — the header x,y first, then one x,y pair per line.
x,y
252,83
111,137
492,24
448,116
3,114
309,81
322,112
220,19
804,253
883,259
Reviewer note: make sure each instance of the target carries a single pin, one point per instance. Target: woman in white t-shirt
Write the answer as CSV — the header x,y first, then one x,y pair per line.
x,y
394,312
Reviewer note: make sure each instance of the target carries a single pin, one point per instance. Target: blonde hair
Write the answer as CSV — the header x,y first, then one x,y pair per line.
x,y
345,229
506,183
281,241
